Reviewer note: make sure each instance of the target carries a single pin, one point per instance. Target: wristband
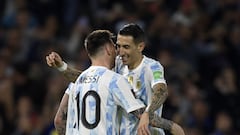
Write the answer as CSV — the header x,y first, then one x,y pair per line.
x,y
147,109
63,67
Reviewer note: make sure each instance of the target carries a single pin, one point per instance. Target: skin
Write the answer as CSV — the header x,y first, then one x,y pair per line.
x,y
61,116
160,94
55,61
130,52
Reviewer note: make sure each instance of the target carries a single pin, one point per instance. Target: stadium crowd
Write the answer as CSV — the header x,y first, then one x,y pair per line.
x,y
197,42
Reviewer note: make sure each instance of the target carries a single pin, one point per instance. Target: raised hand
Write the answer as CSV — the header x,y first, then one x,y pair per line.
x,y
54,60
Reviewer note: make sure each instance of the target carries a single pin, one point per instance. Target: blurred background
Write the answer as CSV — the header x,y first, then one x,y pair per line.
x,y
197,41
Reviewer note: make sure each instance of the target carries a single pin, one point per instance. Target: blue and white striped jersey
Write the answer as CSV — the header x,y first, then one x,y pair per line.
x,y
70,127
70,85
94,99
142,79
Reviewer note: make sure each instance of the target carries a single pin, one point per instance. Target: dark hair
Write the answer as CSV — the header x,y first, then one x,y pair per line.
x,y
96,40
133,30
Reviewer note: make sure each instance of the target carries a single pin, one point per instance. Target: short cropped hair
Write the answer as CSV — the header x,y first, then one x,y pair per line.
x,y
133,30
96,40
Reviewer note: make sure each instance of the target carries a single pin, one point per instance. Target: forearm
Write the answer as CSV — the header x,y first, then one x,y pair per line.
x,y
155,120
71,74
61,128
160,94
159,122
61,116
165,124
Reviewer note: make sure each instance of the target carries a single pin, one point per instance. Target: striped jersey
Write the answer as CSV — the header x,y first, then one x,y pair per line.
x,y
71,113
94,99
142,79
70,86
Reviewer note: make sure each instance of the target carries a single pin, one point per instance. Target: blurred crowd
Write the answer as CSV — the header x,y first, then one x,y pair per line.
x,y
197,42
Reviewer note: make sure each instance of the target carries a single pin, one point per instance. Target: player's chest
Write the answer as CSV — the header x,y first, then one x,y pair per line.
x,y
136,79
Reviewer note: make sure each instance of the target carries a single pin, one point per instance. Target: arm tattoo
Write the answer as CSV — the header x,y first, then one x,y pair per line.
x,y
157,121
138,112
61,128
71,74
160,94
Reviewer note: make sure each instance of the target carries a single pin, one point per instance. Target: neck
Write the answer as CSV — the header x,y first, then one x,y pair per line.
x,y
136,64
100,62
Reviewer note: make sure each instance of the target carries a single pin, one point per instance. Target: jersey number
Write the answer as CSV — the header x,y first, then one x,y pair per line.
x,y
97,112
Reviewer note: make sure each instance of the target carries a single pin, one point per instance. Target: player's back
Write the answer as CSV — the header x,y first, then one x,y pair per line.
x,y
97,93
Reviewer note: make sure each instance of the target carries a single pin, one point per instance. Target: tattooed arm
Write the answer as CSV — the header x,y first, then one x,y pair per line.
x,y
158,122
54,60
60,119
71,74
165,124
160,94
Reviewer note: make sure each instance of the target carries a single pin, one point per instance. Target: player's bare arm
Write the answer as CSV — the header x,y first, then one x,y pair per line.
x,y
71,74
158,122
61,116
169,125
160,94
54,60
161,122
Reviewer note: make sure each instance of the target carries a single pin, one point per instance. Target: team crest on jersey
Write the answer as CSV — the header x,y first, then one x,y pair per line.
x,y
138,84
157,75
130,79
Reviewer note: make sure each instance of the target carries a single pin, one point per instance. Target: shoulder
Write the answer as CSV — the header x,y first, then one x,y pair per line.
x,y
151,63
70,86
116,77
115,80
111,74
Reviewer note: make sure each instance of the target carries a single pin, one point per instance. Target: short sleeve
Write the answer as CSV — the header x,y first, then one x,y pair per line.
x,y
70,86
156,74
124,97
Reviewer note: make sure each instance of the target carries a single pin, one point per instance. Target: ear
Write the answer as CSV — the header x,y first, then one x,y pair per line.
x,y
141,46
107,49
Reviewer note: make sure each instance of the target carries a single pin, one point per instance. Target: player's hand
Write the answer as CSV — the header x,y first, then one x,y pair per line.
x,y
143,125
54,60
177,130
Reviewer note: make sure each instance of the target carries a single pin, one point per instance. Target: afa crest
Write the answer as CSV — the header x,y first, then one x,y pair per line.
x,y
130,79
138,84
